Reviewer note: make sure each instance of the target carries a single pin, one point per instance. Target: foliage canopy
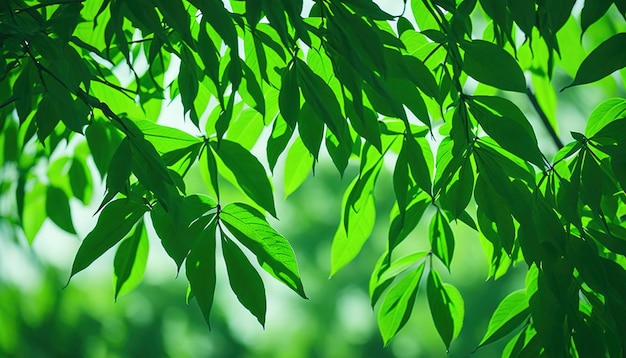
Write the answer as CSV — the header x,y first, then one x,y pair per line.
x,y
423,92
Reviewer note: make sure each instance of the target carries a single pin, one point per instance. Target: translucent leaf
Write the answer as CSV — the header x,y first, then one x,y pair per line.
x,y
249,173
446,307
605,113
385,273
397,305
114,222
272,250
511,312
33,216
441,238
403,224
130,260
80,181
490,64
102,139
605,59
298,166
58,209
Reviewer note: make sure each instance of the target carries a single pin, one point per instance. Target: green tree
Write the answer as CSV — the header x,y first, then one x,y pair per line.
x,y
424,91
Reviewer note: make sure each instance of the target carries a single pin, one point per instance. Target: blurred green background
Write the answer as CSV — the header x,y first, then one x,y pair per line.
x,y
41,318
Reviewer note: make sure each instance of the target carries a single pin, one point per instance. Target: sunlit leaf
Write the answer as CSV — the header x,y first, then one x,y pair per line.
x,y
605,59
298,166
441,238
490,64
272,250
446,307
58,209
510,313
130,260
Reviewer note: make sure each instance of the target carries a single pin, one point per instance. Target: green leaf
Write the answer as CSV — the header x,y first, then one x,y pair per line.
x,y
311,129
592,12
278,140
298,166
459,193
524,14
174,225
605,113
441,238
403,224
33,216
272,250
289,96
502,123
119,170
490,64
418,162
102,139
397,306
114,222
130,260
58,209
80,180
244,280
605,59
46,118
446,308
200,268
321,98
248,171
511,312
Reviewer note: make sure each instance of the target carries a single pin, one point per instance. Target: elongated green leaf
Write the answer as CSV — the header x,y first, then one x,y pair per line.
x,y
441,238
200,268
605,59
248,171
592,12
80,180
120,168
114,222
321,98
289,96
32,215
446,308
58,209
102,139
418,162
130,260
385,273
397,306
490,64
510,313
311,129
298,166
272,250
244,280
278,140
403,224
166,139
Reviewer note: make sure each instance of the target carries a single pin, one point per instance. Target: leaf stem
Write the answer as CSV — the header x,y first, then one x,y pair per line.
x,y
544,118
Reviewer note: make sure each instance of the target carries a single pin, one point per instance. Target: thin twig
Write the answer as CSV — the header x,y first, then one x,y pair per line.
x,y
544,118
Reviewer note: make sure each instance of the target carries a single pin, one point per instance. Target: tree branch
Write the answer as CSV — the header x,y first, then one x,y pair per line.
x,y
544,118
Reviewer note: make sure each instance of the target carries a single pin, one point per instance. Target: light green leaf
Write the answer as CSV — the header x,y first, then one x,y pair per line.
x,y
510,313
490,64
114,222
397,305
605,59
58,209
130,260
605,113
278,140
298,166
446,307
33,216
272,250
248,171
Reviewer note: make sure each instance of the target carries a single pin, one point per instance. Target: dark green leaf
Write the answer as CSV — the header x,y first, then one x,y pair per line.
x,y
272,250
298,166
490,64
80,180
249,173
58,209
289,96
592,12
605,59
114,222
278,140
244,280
446,307
200,268
418,165
397,306
311,129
